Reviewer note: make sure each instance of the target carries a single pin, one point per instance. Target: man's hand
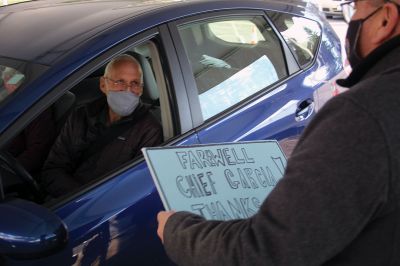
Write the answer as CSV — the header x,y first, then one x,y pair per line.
x,y
162,218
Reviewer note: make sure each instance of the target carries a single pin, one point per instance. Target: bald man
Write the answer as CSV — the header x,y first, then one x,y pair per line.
x,y
103,135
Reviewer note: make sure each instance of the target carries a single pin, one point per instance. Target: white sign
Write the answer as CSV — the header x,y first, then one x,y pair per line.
x,y
218,181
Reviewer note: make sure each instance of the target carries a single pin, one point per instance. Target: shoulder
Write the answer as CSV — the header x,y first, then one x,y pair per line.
x,y
146,116
78,115
377,96
88,111
151,122
378,89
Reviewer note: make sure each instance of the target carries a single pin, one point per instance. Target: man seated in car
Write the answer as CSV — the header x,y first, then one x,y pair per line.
x,y
99,137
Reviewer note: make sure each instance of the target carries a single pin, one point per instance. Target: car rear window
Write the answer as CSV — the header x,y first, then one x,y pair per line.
x,y
10,80
232,59
301,34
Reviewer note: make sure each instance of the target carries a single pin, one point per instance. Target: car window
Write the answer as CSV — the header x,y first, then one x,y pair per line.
x,y
154,97
154,85
301,34
10,80
62,137
232,58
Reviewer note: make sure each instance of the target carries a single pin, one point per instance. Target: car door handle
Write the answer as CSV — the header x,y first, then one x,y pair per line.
x,y
304,110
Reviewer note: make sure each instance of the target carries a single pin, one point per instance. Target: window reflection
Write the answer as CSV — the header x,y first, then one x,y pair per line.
x,y
10,81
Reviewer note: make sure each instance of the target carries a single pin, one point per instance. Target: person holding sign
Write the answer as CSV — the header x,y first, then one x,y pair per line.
x,y
338,202
104,134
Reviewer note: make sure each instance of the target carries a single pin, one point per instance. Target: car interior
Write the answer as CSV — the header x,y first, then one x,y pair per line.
x,y
15,181
235,55
155,93
231,57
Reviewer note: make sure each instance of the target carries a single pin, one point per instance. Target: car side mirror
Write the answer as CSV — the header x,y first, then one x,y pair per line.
x,y
30,231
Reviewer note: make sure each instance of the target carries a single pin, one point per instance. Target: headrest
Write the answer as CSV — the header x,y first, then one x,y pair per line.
x,y
87,91
150,90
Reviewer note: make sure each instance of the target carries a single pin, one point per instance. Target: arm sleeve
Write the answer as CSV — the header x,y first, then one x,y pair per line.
x,y
57,173
334,182
39,136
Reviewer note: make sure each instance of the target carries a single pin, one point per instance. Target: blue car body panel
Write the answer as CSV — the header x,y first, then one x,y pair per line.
x,y
279,106
114,222
89,39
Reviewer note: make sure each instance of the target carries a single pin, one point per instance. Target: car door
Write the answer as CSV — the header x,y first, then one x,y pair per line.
x,y
245,82
113,219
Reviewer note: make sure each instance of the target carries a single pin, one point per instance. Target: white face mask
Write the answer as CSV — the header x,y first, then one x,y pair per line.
x,y
122,103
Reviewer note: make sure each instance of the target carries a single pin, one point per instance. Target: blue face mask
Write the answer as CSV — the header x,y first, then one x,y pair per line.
x,y
122,103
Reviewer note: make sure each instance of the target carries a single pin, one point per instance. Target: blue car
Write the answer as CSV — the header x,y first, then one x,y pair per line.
x,y
214,71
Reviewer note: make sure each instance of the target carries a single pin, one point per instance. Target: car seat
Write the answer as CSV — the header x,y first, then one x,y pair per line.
x,y
87,90
151,94
62,108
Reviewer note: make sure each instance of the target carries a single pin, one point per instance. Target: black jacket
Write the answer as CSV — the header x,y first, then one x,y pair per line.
x,y
338,202
74,160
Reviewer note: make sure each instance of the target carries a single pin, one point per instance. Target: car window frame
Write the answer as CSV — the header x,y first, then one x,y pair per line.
x,y
176,92
318,45
192,92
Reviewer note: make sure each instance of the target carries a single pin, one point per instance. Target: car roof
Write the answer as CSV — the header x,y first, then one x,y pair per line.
x,y
44,31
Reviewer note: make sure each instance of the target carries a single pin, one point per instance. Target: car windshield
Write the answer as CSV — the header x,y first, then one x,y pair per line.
x,y
10,80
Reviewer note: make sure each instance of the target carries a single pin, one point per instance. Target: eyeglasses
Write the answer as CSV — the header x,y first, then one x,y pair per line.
x,y
122,85
350,3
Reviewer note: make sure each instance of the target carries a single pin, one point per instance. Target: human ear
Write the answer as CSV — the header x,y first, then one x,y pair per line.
x,y
388,24
103,85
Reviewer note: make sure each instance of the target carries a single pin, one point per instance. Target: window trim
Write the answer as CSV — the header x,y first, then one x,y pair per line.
x,y
172,79
69,82
192,92
292,64
318,47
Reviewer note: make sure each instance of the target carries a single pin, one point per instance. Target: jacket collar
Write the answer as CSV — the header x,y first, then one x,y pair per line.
x,y
374,64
